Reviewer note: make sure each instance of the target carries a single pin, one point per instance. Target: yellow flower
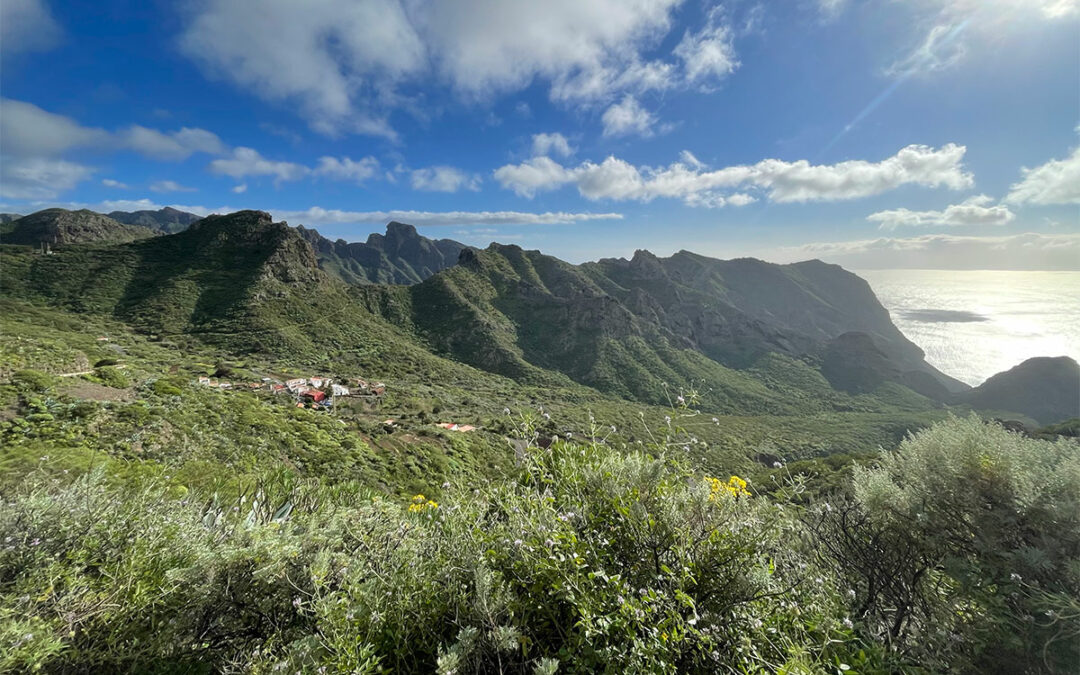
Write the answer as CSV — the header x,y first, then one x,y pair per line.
x,y
419,498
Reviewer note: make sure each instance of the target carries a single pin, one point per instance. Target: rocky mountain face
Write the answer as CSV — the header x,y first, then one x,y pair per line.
x,y
59,227
167,220
401,256
1046,389
8,217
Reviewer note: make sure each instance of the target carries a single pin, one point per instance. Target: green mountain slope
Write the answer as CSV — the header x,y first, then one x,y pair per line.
x,y
645,327
167,220
59,227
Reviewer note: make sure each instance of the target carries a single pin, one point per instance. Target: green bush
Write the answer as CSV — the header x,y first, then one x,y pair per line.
x,y
34,380
112,377
962,549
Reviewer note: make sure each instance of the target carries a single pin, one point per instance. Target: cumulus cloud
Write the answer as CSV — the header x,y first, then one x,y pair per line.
x,y
240,189
39,177
710,53
978,210
248,162
27,26
27,130
551,144
346,169
175,145
110,183
444,179
779,180
627,117
170,186
33,142
349,64
533,175
1056,182
1028,251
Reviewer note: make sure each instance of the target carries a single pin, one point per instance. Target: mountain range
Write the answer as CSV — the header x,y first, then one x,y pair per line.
x,y
750,335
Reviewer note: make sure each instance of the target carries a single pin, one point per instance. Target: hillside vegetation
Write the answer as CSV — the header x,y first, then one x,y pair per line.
x,y
654,465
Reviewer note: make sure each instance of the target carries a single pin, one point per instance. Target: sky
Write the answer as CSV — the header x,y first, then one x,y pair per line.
x,y
870,133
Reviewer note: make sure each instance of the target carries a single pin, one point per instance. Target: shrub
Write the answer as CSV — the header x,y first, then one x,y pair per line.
x,y
112,377
962,549
34,380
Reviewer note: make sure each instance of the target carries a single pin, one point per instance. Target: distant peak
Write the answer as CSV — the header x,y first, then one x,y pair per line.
x,y
400,229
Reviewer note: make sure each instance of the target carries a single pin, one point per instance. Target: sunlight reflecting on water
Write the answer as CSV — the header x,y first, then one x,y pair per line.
x,y
973,324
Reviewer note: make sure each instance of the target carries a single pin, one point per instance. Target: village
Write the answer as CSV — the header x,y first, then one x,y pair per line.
x,y
318,392
322,393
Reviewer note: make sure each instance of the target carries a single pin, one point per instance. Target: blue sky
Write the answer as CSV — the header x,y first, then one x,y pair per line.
x,y
875,133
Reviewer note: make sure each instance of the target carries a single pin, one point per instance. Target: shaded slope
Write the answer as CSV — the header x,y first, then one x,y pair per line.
x,y
1044,388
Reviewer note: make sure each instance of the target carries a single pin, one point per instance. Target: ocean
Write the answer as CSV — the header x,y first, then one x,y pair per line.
x,y
973,324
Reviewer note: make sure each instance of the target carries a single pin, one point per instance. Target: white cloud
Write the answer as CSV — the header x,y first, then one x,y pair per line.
x,y
831,8
939,49
951,29
780,180
248,162
533,175
39,177
240,189
109,182
170,186
347,169
319,216
444,179
26,26
1056,182
1028,251
709,53
977,210
349,65
553,143
627,117
176,145
324,54
688,158
488,46
27,130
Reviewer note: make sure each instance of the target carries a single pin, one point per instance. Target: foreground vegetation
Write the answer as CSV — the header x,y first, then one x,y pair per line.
x,y
957,552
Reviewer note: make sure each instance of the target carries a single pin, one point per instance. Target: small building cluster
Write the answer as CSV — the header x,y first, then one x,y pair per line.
x,y
451,426
317,391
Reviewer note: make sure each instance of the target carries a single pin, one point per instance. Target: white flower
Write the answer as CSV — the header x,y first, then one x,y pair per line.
x,y
848,624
